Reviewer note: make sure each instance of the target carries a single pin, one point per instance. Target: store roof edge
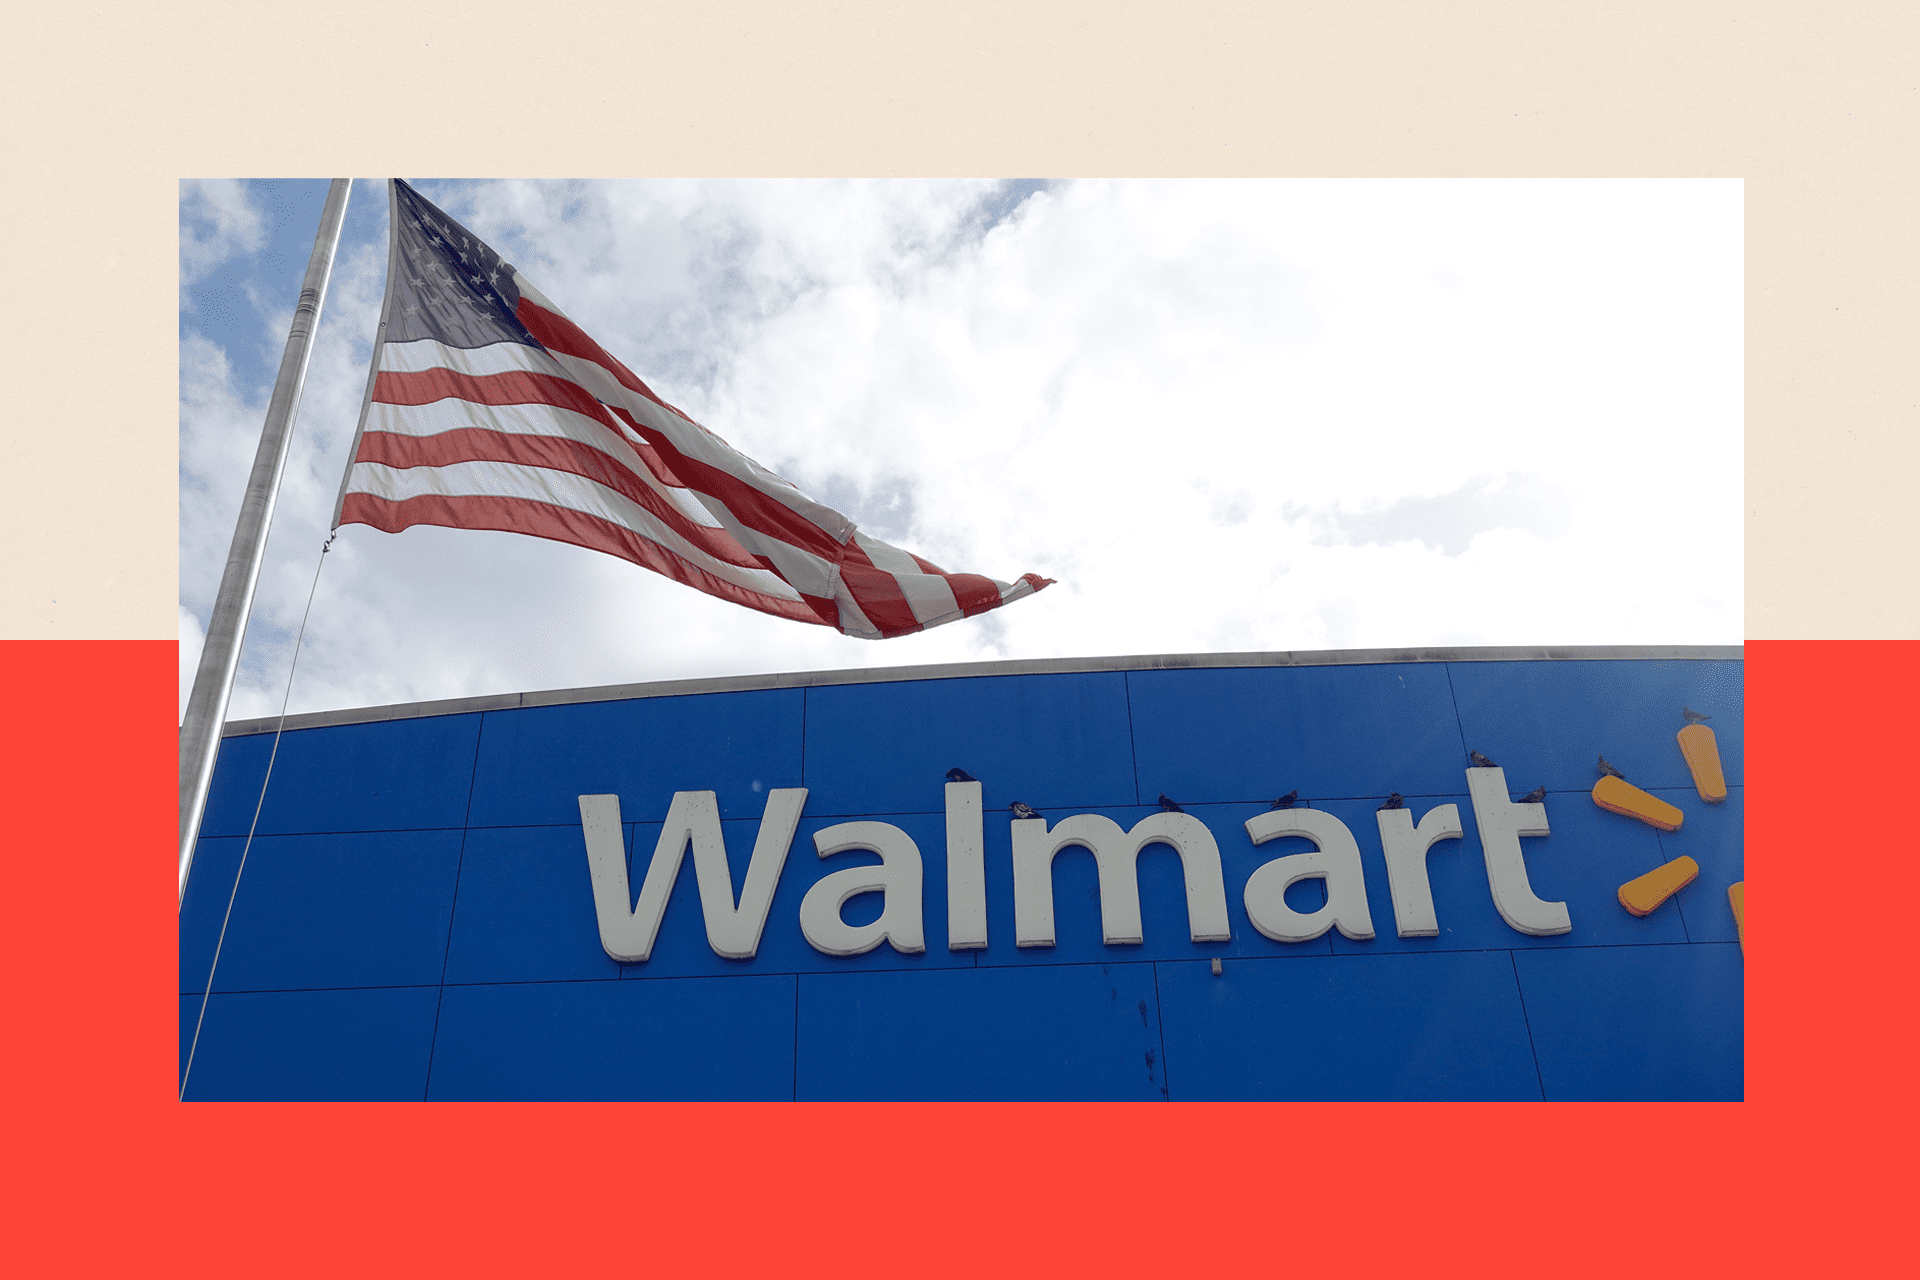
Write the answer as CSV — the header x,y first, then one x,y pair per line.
x,y
962,670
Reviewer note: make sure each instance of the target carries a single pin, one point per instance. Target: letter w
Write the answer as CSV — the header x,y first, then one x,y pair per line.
x,y
628,935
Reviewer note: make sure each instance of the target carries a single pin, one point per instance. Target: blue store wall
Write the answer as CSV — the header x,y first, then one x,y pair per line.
x,y
416,920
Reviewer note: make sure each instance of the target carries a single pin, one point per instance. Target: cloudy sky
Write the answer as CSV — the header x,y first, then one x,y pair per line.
x,y
1225,416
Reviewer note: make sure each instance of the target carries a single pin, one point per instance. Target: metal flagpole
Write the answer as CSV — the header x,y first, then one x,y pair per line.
x,y
213,681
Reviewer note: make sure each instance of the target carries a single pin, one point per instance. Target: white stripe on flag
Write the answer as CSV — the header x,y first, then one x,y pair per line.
x,y
425,355
427,420
927,595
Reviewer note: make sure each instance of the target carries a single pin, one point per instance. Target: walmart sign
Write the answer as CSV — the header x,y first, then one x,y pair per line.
x,y
627,933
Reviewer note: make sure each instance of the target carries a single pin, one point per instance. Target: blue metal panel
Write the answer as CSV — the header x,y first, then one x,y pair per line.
x,y
692,1040
1549,720
525,909
878,749
389,776
536,761
189,1015
1382,1028
1061,1032
364,910
234,790
1254,733
1637,1023
312,1046
204,906
1714,835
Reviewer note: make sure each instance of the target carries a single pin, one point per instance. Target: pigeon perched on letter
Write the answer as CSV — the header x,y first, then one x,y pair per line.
x,y
1480,761
1395,801
1169,805
1021,810
1286,801
1693,717
1610,771
1534,796
960,775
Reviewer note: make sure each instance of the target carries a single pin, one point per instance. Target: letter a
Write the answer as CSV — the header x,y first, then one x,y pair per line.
x,y
1337,860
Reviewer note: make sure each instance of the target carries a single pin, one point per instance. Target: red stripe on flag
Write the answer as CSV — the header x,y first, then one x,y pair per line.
x,y
557,333
975,593
560,524
747,504
553,453
513,387
877,593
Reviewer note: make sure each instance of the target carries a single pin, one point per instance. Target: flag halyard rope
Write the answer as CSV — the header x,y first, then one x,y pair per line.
x,y
234,893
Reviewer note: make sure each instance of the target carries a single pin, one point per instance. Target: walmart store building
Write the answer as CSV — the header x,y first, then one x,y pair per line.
x,y
431,910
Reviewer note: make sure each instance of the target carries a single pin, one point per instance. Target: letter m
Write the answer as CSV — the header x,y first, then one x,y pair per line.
x,y
1116,851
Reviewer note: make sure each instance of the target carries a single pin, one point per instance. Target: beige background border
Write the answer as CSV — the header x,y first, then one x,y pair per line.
x,y
1815,106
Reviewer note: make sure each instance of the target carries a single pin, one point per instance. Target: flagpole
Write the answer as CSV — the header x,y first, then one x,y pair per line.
x,y
220,658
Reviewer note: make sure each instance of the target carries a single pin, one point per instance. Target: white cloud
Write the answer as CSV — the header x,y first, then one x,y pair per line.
x,y
1227,416
218,221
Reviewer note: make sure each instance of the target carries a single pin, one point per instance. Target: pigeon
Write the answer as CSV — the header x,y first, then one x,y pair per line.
x,y
1693,717
1169,805
1286,801
1534,796
1480,761
1395,801
1021,810
1610,771
960,775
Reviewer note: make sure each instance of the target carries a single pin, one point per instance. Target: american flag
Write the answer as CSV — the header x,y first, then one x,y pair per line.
x,y
488,409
